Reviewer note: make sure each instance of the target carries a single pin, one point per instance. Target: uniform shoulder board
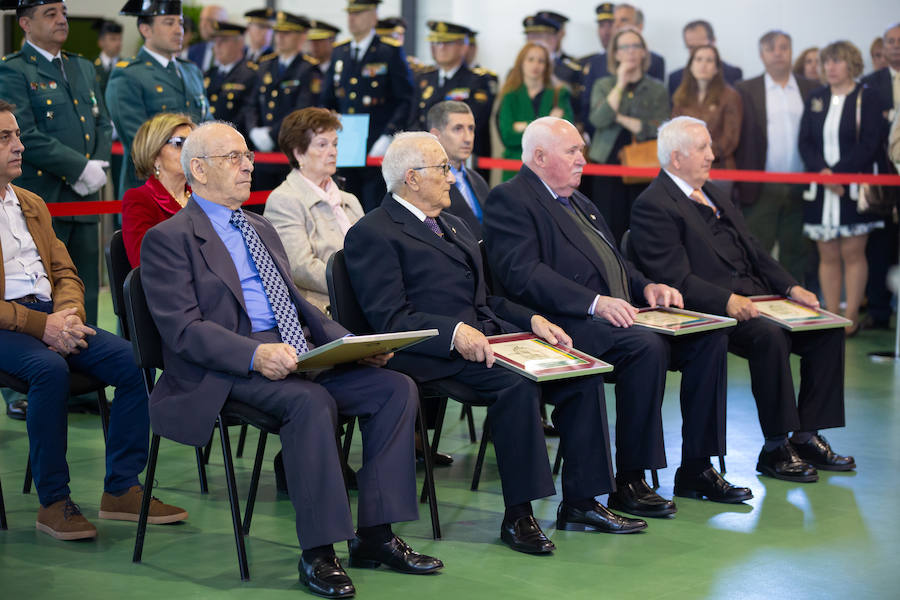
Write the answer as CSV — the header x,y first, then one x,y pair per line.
x,y
572,64
97,62
125,63
482,72
267,57
15,54
336,44
310,59
422,68
75,54
252,65
390,41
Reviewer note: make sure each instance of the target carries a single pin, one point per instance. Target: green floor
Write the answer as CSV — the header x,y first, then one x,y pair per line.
x,y
837,538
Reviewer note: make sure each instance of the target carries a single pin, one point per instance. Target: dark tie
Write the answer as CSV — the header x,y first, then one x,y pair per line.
x,y
433,225
564,200
356,54
282,68
57,62
171,68
276,291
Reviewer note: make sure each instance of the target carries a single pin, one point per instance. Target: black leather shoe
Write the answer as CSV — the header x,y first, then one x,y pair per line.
x,y
17,410
598,518
395,554
549,429
784,463
817,452
638,498
525,535
710,484
438,459
326,577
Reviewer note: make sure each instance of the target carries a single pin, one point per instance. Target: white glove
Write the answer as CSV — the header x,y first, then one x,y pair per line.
x,y
380,146
92,178
261,139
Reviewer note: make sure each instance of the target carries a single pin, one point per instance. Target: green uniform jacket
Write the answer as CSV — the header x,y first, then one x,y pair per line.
x,y
140,88
63,121
648,101
516,106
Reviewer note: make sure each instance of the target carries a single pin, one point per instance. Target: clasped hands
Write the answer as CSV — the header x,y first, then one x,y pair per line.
x,y
473,345
65,333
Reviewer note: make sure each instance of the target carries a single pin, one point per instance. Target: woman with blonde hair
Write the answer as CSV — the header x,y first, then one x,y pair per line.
x,y
156,153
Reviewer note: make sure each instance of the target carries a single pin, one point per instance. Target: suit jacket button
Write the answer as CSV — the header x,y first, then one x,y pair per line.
x,y
468,274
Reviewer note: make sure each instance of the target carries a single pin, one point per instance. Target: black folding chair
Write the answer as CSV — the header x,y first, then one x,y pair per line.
x,y
147,347
3,524
346,310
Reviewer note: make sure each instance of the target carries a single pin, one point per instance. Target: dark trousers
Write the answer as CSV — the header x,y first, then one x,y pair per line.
x,y
82,240
108,358
777,216
518,436
385,402
641,358
768,347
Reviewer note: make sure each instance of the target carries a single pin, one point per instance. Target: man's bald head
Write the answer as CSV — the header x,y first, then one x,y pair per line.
x,y
554,150
217,164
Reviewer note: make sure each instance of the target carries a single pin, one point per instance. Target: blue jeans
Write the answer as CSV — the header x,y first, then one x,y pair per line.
x,y
109,359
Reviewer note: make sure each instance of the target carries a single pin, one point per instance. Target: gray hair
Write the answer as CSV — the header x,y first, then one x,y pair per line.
x,y
538,133
439,114
893,25
674,136
402,155
769,37
638,13
195,146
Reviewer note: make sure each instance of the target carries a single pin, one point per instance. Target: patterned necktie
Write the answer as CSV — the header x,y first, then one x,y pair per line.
x,y
276,291
433,225
698,197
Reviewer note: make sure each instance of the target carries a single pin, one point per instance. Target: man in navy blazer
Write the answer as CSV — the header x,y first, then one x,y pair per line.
x,y
413,266
697,34
221,340
702,245
553,251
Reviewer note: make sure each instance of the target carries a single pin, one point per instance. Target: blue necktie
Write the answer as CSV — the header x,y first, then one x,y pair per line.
x,y
466,190
276,291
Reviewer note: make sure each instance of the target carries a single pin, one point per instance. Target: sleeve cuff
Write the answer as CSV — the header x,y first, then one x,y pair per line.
x,y
453,337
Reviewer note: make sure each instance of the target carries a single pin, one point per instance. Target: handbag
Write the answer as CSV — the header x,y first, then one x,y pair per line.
x,y
638,154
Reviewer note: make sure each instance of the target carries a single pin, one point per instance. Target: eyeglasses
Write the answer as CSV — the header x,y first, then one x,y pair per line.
x,y
177,141
630,47
444,167
234,157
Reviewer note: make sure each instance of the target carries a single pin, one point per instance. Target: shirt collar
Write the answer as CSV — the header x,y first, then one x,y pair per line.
x,y
162,60
459,173
893,72
413,209
287,60
364,44
447,75
9,196
771,84
219,214
552,193
44,53
681,183
226,69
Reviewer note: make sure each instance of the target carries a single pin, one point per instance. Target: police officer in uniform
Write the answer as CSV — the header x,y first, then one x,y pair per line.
x,y
369,74
154,81
321,45
566,68
65,129
395,27
259,33
109,39
231,83
593,66
452,79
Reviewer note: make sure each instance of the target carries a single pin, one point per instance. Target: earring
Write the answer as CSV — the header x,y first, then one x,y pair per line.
x,y
156,171
299,166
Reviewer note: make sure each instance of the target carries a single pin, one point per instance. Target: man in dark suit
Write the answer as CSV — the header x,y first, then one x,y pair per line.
x,y
415,267
453,79
233,324
697,34
773,105
553,251
881,250
453,124
369,74
688,234
201,53
231,84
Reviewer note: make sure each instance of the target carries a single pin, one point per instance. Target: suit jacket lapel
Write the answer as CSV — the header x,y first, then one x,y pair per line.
x,y
689,212
214,251
415,228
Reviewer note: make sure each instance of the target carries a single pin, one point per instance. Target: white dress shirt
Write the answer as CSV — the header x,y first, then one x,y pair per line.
x,y
22,267
362,46
784,107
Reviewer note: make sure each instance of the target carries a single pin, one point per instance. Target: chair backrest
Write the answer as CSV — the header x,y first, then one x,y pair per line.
x,y
146,342
345,308
117,267
625,246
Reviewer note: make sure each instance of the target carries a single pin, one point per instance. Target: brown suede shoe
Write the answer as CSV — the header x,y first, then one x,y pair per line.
x,y
127,507
64,521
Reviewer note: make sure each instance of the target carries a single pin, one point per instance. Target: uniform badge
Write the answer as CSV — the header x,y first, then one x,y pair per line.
x,y
316,86
95,109
49,115
338,67
206,82
428,92
267,78
52,85
481,96
374,69
34,86
159,89
458,94
817,105
367,100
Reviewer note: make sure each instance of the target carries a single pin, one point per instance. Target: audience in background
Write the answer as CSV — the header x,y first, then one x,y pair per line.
x,y
697,34
876,52
807,64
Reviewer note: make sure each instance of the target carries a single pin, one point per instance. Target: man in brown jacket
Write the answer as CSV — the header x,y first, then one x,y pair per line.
x,y
42,337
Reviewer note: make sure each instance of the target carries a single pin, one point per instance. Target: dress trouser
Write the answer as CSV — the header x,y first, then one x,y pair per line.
x,y
385,402
768,347
109,359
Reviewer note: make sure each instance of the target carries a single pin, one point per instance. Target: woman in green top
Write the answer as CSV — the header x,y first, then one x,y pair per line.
x,y
528,94
629,105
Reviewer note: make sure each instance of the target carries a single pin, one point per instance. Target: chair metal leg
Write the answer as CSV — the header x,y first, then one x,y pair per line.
x,y
557,464
470,421
348,438
104,413
145,500
3,524
655,477
242,438
201,471
428,486
721,464
254,481
208,449
233,501
479,463
26,487
435,438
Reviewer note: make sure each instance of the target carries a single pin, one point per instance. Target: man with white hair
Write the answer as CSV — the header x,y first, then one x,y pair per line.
x,y
233,324
687,233
553,252
414,266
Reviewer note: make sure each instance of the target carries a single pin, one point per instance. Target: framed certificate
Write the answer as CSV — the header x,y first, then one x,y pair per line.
x,y
538,360
678,321
356,347
794,316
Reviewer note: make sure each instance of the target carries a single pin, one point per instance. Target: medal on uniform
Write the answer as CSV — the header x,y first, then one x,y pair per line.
x,y
52,85
95,110
428,92
50,115
338,67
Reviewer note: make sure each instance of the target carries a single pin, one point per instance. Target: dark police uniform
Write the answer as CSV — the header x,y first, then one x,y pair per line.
x,y
64,124
233,96
280,94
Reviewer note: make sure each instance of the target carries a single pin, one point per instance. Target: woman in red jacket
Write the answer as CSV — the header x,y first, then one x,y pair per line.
x,y
156,153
